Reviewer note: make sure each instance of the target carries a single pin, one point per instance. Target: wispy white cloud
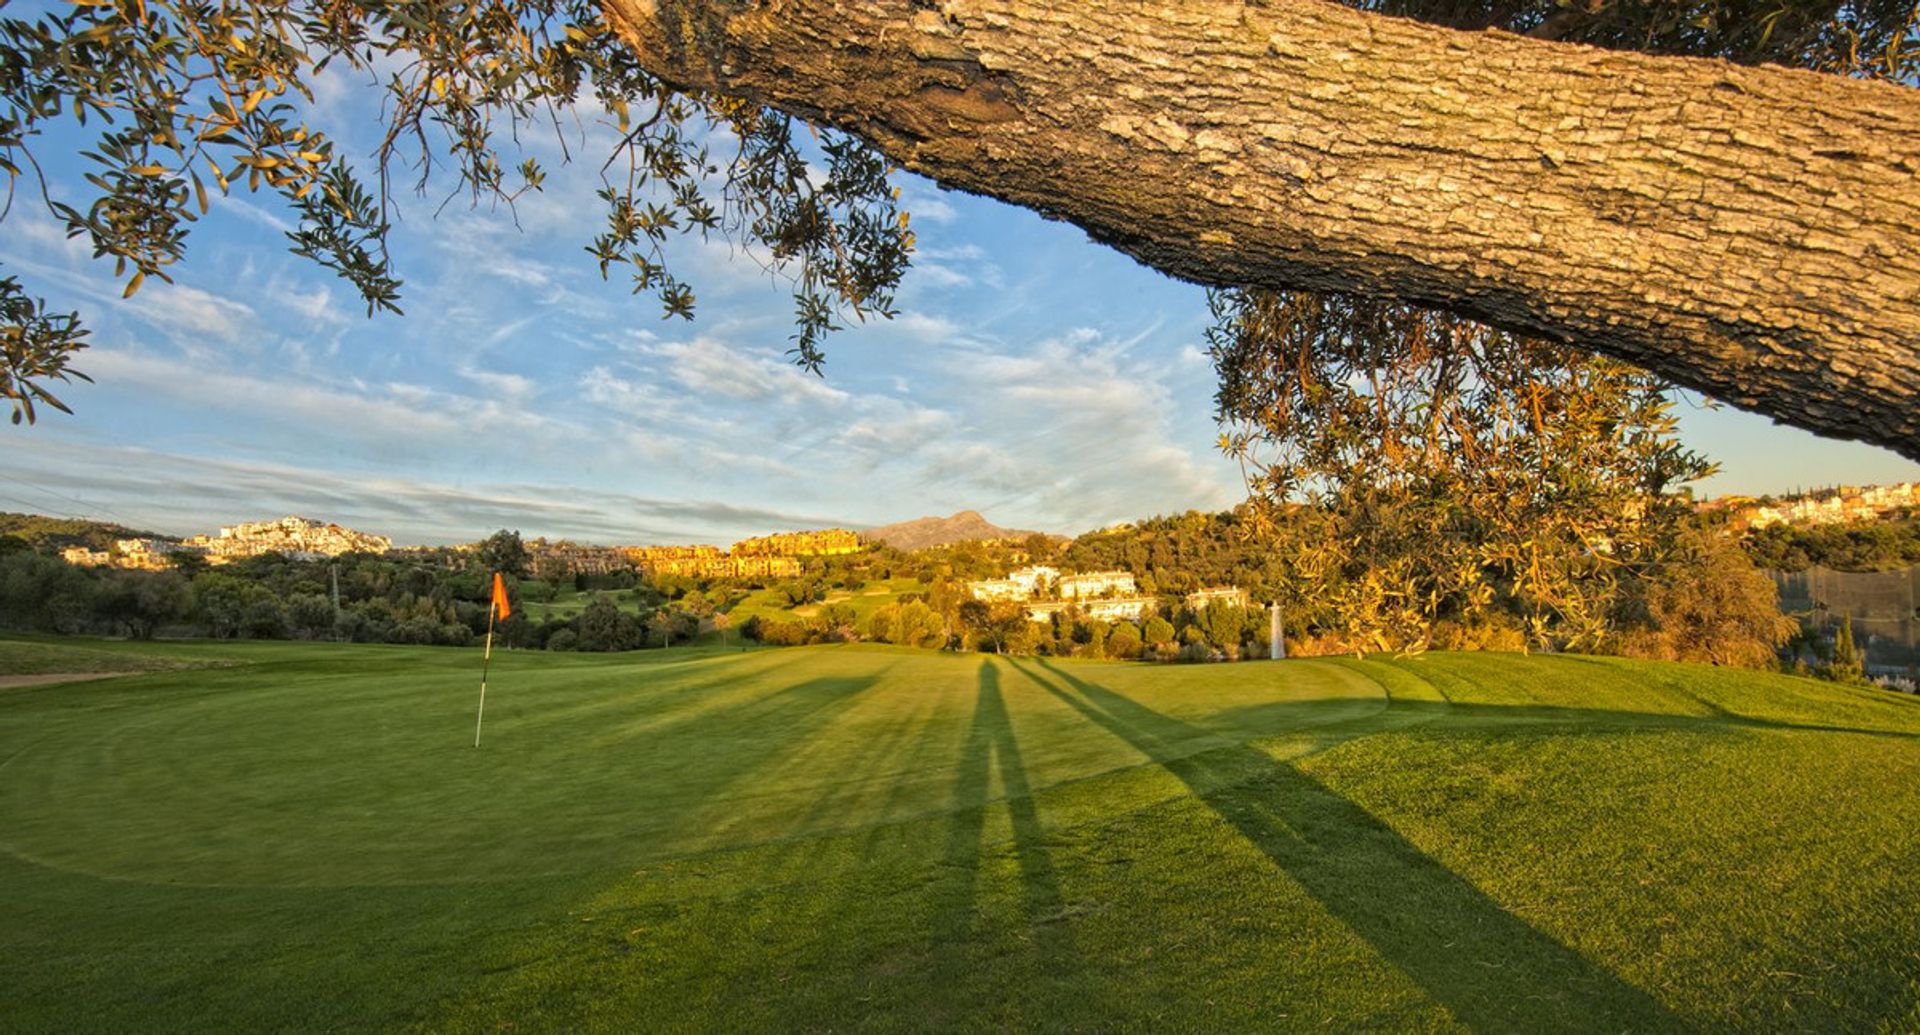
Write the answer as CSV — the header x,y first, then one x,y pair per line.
x,y
379,417
411,509
936,275
953,269
925,206
516,366
503,386
193,318
253,212
201,314
1071,428
711,366
924,326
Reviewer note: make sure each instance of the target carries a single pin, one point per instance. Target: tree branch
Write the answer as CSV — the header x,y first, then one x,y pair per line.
x,y
1750,232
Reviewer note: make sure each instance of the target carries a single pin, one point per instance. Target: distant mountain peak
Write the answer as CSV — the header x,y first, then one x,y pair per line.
x,y
926,532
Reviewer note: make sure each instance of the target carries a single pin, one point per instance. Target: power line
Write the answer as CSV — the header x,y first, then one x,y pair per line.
x,y
90,512
25,503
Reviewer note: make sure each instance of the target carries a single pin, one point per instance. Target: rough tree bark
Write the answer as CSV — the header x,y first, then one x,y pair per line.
x,y
1750,232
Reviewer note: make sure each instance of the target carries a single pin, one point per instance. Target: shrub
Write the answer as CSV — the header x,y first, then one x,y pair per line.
x,y
1706,603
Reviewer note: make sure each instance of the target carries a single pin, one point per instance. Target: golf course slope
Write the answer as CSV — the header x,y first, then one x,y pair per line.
x,y
854,838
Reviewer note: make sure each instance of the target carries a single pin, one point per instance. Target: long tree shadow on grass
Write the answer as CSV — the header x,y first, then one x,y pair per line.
x,y
990,745
745,741
1491,969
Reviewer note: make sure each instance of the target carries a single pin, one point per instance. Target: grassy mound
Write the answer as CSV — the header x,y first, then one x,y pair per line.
x,y
834,838
41,655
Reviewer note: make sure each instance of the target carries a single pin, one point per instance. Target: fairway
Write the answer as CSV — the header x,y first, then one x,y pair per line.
x,y
868,838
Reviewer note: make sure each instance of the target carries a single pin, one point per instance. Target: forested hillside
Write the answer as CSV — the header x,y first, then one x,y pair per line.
x,y
1854,546
53,534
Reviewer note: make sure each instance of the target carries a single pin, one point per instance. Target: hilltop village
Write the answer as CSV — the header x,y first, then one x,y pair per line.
x,y
297,538
1824,507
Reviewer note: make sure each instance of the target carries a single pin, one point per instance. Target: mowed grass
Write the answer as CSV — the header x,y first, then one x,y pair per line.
x,y
856,838
771,603
42,655
569,602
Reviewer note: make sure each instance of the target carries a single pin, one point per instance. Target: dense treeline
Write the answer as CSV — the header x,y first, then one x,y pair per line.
x,y
1704,600
946,618
1181,553
267,597
1881,545
1697,599
432,597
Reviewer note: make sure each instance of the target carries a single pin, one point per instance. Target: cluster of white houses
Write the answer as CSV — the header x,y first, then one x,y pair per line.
x,y
296,537
1847,504
1105,595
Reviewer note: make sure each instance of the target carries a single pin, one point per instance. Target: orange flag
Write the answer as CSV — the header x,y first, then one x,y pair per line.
x,y
500,605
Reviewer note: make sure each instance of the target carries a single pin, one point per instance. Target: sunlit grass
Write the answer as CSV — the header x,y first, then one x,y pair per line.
x,y
772,603
40,655
833,838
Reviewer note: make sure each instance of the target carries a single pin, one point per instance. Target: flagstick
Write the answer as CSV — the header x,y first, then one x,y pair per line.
x,y
486,659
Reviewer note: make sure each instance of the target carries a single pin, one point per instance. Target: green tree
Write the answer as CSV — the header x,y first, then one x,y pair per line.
x,y
1407,482
604,627
220,600
1095,645
144,601
310,615
1222,626
264,617
883,624
535,590
1000,625
839,622
505,553
1847,665
43,593
910,623
945,597
1158,632
976,621
669,625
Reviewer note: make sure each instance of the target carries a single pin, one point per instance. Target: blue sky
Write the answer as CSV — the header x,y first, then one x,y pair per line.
x,y
1044,380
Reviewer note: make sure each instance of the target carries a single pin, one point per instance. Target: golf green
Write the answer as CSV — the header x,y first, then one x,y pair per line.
x,y
869,838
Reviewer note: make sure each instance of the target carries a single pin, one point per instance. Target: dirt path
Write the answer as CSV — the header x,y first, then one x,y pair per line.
x,y
9,682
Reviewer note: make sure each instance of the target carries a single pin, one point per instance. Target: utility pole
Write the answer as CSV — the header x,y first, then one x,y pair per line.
x,y
335,569
1277,649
